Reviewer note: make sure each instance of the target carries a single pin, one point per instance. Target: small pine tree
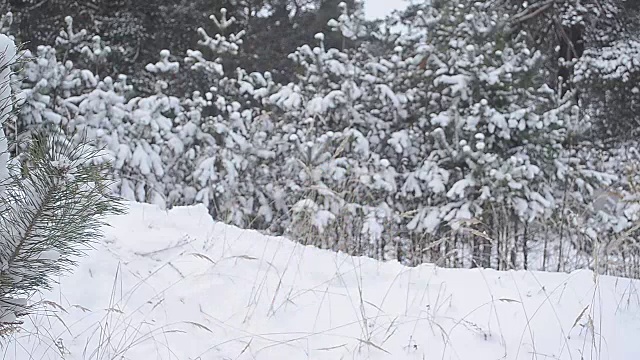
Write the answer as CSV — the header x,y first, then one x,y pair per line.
x,y
50,211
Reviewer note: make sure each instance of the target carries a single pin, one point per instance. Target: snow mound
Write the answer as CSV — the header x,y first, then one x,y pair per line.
x,y
177,285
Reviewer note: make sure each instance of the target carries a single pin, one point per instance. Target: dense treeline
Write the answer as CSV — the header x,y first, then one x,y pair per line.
x,y
137,31
495,134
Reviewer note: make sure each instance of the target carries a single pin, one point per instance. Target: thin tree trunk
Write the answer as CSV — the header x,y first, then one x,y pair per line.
x,y
514,246
525,248
545,250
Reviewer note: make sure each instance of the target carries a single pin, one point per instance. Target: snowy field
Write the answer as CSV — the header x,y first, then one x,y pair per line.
x,y
176,285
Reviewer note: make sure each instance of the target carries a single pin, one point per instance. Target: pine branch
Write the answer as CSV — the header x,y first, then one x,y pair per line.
x,y
532,11
49,217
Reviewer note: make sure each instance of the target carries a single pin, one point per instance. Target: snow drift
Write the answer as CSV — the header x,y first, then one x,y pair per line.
x,y
177,285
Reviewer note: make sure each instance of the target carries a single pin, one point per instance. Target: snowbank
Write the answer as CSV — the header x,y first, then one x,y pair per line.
x,y
176,285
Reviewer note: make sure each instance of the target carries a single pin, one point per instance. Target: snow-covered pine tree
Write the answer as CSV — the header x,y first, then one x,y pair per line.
x,y
501,138
229,143
103,120
191,129
587,33
150,143
50,211
335,122
609,76
46,82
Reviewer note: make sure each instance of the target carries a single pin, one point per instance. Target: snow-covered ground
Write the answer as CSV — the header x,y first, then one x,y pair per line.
x,y
176,285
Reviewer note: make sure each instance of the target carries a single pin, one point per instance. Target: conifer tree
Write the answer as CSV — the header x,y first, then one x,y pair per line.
x,y
51,210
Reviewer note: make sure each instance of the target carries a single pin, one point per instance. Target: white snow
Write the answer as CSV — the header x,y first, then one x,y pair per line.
x,y
379,9
176,285
7,56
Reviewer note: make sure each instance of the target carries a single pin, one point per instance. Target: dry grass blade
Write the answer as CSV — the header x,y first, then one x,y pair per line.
x,y
245,257
62,322
509,300
55,305
479,234
367,342
331,347
198,325
202,256
373,305
246,347
84,309
575,323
